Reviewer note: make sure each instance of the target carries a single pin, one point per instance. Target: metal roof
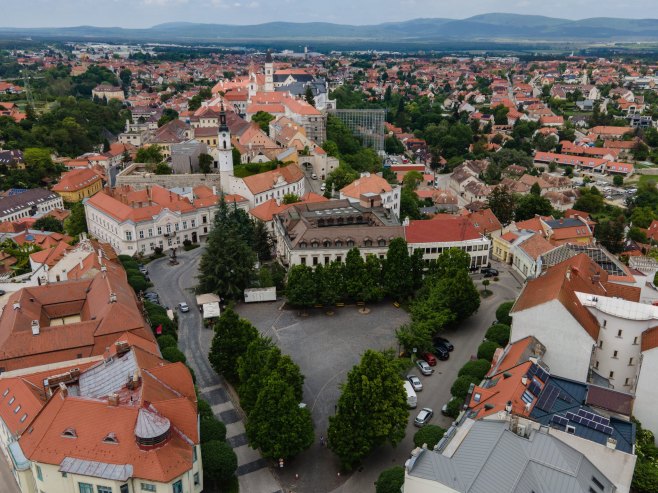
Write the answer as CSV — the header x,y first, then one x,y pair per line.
x,y
116,472
109,376
493,458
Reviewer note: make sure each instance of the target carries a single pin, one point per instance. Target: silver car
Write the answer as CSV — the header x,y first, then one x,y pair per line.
x,y
423,417
415,382
183,307
424,367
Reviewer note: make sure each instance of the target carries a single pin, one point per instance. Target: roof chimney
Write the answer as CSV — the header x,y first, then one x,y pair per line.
x,y
121,347
36,328
508,406
64,391
17,305
113,399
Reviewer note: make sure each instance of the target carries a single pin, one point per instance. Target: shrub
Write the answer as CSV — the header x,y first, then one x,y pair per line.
x,y
219,461
502,313
205,411
165,341
429,434
477,368
212,429
498,333
390,480
460,387
454,408
173,355
487,350
138,283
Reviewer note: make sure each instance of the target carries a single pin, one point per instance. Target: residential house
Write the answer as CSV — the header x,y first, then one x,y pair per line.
x,y
371,186
107,92
34,202
77,184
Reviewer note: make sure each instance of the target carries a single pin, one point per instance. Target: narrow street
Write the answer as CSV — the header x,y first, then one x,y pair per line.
x,y
174,284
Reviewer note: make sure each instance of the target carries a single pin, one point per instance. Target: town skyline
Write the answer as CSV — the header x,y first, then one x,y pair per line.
x,y
148,13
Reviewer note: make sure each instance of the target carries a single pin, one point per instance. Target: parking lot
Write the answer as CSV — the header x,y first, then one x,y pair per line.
x,y
326,347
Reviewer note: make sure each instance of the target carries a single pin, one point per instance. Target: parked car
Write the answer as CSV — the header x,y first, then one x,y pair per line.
x,y
445,342
429,357
424,368
2,292
152,296
489,271
415,382
441,351
183,307
423,417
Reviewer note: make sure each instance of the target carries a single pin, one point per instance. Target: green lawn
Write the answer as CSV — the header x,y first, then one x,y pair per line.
x,y
649,179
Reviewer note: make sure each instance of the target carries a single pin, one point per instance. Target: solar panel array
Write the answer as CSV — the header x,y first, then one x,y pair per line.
x,y
560,420
534,388
591,420
547,398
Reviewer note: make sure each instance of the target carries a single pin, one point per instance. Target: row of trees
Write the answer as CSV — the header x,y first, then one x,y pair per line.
x,y
270,386
447,297
396,276
234,245
508,207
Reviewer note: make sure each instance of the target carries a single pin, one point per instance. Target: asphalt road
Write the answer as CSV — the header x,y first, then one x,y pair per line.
x,y
175,284
325,347
436,388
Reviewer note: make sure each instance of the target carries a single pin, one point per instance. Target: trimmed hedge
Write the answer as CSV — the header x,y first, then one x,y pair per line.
x,y
477,368
499,333
487,349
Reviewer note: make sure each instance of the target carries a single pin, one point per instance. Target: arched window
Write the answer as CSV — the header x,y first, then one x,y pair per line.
x,y
350,243
302,244
381,242
339,243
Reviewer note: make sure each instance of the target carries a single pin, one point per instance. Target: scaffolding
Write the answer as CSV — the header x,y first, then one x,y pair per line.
x,y
368,125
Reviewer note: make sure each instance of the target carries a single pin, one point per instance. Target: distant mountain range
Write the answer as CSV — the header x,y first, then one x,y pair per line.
x,y
486,27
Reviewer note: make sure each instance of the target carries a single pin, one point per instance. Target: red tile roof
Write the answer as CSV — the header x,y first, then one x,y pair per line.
x,y
441,228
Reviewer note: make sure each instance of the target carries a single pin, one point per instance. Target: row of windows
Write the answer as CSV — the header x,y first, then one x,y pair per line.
x,y
295,188
468,248
340,243
327,259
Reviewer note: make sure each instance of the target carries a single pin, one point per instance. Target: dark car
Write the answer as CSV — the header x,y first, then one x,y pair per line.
x,y
489,271
444,342
441,352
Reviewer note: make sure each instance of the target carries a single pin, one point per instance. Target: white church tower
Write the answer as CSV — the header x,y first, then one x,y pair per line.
x,y
269,72
224,149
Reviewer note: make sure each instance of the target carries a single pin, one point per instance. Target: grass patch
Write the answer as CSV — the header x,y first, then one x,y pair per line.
x,y
649,179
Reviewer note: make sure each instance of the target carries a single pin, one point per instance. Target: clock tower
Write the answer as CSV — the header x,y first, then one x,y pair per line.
x,y
224,147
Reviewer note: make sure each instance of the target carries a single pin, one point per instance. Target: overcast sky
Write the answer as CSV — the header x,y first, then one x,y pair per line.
x,y
146,13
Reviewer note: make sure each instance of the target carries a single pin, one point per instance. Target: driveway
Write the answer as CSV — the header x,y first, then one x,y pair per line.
x,y
175,284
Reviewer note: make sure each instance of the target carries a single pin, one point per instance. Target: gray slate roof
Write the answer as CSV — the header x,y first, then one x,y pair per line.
x,y
493,459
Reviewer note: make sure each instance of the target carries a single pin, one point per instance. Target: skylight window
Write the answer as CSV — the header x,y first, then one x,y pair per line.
x,y
69,433
23,418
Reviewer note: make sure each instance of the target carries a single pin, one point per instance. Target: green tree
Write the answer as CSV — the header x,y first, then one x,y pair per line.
x,y
291,198
503,313
412,179
277,425
450,262
219,462
618,180
339,178
430,435
611,234
502,203
212,429
300,289
590,200
354,274
233,335
174,355
165,341
167,115
49,223
396,271
460,386
487,349
371,410
151,154
263,119
392,145
308,96
390,480
528,206
499,333
228,264
205,163
162,169
642,216
477,368
409,204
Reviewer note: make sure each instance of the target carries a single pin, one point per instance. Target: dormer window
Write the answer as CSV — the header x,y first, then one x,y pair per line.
x,y
69,433
111,438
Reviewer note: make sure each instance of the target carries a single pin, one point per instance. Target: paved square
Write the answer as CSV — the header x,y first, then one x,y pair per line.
x,y
325,346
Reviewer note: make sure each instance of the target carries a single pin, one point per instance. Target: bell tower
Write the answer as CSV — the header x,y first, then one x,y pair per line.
x,y
224,147
269,72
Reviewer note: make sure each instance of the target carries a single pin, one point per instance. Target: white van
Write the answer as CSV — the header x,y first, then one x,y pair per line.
x,y
412,400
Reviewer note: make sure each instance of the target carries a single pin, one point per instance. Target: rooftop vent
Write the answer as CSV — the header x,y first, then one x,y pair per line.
x,y
69,433
151,429
36,328
17,305
113,297
113,399
122,347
